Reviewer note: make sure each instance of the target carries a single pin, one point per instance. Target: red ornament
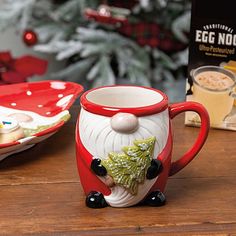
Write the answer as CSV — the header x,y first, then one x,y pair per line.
x,y
30,38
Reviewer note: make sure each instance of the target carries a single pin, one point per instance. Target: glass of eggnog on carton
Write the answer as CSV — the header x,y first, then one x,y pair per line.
x,y
212,64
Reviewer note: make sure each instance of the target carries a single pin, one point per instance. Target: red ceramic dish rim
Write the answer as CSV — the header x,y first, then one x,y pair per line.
x,y
110,111
77,90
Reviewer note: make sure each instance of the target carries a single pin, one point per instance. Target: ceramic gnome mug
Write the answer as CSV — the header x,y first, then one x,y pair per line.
x,y
124,144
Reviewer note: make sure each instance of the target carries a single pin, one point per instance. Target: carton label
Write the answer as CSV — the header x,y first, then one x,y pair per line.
x,y
212,62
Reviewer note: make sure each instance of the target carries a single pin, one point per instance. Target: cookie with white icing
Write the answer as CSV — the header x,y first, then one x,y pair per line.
x,y
10,130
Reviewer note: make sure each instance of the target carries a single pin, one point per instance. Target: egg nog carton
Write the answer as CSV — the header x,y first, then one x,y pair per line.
x,y
212,62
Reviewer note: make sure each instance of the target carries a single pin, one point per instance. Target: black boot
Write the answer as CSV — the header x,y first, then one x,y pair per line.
x,y
97,168
95,200
154,169
156,198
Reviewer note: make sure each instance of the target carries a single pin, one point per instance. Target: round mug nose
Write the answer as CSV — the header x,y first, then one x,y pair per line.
x,y
124,122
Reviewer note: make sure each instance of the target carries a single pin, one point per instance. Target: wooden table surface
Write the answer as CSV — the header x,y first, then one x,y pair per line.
x,y
40,192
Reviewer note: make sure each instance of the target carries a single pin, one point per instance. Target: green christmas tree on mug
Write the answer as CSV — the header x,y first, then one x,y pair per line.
x,y
129,168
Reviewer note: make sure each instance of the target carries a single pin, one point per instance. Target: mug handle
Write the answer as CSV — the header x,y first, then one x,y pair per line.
x,y
178,108
232,94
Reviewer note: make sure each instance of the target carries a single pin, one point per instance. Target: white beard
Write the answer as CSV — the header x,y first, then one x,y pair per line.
x,y
99,139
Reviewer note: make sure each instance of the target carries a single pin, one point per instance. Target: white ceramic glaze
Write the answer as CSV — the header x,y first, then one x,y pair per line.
x,y
99,139
124,122
36,119
124,96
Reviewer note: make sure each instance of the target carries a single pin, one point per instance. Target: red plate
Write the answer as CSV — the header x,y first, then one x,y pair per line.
x,y
46,102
